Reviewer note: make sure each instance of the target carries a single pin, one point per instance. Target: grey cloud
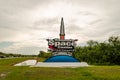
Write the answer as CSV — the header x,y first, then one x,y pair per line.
x,y
95,22
101,31
86,13
25,4
11,10
44,22
72,28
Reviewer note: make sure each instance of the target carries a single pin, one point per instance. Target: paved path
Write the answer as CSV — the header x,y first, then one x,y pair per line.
x,y
26,63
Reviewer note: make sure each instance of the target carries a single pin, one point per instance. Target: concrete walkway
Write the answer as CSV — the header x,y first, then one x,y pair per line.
x,y
26,63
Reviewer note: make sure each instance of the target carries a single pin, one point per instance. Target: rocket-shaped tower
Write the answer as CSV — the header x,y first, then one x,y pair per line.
x,y
62,49
62,30
61,46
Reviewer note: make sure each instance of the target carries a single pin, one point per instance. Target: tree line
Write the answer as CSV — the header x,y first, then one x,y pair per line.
x,y
103,53
9,55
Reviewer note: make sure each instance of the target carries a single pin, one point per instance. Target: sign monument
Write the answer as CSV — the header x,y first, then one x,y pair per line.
x,y
61,46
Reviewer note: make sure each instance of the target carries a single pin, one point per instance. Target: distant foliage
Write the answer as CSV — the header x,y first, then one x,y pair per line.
x,y
43,54
103,53
8,55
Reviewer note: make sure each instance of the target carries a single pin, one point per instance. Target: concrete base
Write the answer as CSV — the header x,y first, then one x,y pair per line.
x,y
61,64
32,63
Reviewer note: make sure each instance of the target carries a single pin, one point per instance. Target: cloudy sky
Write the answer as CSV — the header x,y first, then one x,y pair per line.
x,y
26,24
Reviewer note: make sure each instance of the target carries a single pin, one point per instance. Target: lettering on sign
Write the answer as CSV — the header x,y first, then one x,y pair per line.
x,y
61,45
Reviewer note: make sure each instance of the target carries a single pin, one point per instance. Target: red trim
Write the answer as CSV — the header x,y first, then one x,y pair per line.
x,y
62,37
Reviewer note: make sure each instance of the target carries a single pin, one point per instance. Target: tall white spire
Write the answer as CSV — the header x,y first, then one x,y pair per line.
x,y
62,30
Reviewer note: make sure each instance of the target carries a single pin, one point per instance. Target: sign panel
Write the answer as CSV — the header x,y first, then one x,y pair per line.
x,y
57,45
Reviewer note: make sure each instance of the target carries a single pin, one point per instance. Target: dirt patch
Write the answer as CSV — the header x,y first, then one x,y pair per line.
x,y
4,74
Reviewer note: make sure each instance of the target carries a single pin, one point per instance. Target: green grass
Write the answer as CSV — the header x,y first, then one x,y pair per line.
x,y
12,61
10,72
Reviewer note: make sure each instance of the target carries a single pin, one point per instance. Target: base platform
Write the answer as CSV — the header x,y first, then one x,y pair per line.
x,y
61,64
32,63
